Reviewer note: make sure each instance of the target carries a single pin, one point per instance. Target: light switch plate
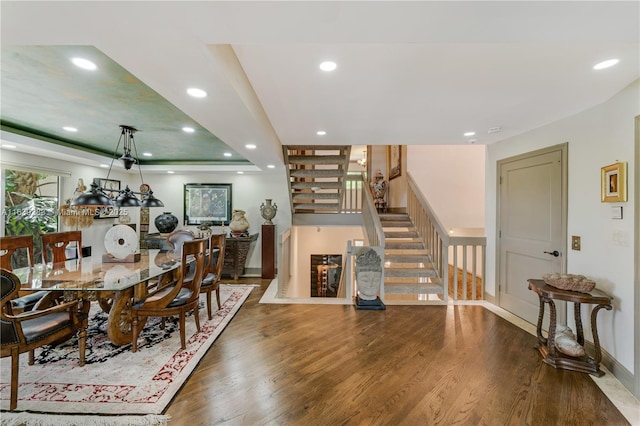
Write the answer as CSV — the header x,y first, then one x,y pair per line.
x,y
616,212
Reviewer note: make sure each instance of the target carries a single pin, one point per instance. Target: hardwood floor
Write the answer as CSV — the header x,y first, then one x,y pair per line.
x,y
408,365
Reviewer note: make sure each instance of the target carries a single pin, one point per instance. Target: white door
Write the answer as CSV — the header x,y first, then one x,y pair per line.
x,y
532,227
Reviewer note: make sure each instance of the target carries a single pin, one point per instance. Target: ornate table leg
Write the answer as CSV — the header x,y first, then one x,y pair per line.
x,y
119,323
578,318
551,340
541,339
594,331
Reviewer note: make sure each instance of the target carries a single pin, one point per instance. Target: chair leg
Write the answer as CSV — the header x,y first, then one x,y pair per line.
x,y
209,313
196,313
82,344
135,331
183,339
32,356
218,296
162,323
15,358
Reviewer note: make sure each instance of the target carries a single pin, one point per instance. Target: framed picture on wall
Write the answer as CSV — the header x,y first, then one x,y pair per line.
x,y
207,202
613,183
395,161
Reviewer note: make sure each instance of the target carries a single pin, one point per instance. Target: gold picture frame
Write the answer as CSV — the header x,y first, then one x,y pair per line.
x,y
613,183
395,161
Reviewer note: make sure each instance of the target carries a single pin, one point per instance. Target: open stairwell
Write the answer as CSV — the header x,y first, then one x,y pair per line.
x,y
317,176
408,268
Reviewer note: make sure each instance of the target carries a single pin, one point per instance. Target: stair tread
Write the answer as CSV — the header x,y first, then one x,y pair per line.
x,y
316,196
319,185
320,173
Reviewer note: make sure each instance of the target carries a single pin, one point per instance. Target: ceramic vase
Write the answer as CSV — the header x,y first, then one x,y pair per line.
x,y
268,211
239,224
166,223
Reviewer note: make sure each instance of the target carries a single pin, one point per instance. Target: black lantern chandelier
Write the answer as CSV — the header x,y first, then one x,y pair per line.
x,y
97,196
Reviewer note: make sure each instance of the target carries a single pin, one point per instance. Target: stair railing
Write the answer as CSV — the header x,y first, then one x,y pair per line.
x,y
467,249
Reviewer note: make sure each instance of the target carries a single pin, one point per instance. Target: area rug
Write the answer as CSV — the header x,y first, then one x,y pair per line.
x,y
115,381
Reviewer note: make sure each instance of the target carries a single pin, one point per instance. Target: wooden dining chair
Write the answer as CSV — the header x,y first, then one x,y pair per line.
x,y
57,243
17,251
175,298
176,239
211,280
30,330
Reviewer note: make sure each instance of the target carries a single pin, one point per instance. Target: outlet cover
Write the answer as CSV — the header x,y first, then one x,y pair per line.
x,y
575,242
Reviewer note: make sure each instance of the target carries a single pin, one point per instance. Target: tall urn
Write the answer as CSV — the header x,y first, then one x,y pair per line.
x,y
268,211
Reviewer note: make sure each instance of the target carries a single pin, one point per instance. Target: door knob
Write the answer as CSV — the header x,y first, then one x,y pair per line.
x,y
554,253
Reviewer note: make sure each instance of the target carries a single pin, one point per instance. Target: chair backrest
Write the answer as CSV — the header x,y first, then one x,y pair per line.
x,y
217,243
193,259
9,246
9,286
57,243
176,239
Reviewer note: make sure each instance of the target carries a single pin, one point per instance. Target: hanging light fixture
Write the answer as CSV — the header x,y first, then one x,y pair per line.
x,y
97,196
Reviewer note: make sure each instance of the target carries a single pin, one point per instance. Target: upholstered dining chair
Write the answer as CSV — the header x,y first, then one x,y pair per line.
x,y
175,298
30,330
16,245
176,239
215,262
57,243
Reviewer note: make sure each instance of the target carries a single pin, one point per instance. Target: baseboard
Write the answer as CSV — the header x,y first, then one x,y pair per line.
x,y
624,376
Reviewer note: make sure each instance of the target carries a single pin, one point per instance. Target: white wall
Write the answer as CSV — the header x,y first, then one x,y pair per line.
x,y
308,240
452,180
597,137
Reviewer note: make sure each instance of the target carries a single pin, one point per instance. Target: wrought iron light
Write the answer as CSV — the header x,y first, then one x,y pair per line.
x,y
97,196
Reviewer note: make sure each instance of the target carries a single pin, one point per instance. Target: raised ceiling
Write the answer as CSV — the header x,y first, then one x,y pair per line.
x,y
408,72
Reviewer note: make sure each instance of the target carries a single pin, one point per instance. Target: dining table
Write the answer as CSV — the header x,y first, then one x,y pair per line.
x,y
115,286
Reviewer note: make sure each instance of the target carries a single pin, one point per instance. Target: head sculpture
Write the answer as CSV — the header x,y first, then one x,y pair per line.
x,y
368,274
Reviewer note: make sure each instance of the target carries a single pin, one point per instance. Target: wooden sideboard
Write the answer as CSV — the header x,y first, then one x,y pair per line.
x,y
235,254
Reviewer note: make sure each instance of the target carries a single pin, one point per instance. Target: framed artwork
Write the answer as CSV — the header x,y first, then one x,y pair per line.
x,y
613,183
207,202
395,161
326,271
111,186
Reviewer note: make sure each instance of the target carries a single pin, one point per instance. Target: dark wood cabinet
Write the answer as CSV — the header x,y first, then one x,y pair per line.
x,y
235,254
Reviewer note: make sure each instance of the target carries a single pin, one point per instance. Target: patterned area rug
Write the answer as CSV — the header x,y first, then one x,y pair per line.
x,y
114,380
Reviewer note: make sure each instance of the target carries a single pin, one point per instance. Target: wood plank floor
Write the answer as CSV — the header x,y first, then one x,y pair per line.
x,y
408,365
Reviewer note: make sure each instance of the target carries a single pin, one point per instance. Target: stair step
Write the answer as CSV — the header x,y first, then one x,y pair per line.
x,y
405,252
401,234
319,185
317,159
316,173
394,216
410,272
315,196
316,206
403,245
396,224
424,264
427,287
293,148
406,258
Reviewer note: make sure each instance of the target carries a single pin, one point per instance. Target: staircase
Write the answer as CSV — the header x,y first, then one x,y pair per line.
x,y
317,176
408,268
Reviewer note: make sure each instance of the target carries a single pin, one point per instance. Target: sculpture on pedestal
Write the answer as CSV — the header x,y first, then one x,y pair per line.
x,y
369,279
378,190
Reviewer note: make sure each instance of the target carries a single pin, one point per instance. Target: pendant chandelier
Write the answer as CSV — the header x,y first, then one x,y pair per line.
x,y
97,196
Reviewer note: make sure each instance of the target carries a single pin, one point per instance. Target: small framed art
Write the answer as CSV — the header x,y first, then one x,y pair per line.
x,y
614,183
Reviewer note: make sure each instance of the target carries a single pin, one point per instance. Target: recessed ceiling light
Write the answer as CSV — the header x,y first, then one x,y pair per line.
x,y
85,64
605,64
321,133
470,133
227,154
271,166
240,172
188,129
170,172
70,129
196,93
104,166
250,146
5,145
147,154
328,66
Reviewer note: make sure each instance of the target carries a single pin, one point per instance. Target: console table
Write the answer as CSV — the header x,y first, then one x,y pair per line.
x,y
547,346
235,254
